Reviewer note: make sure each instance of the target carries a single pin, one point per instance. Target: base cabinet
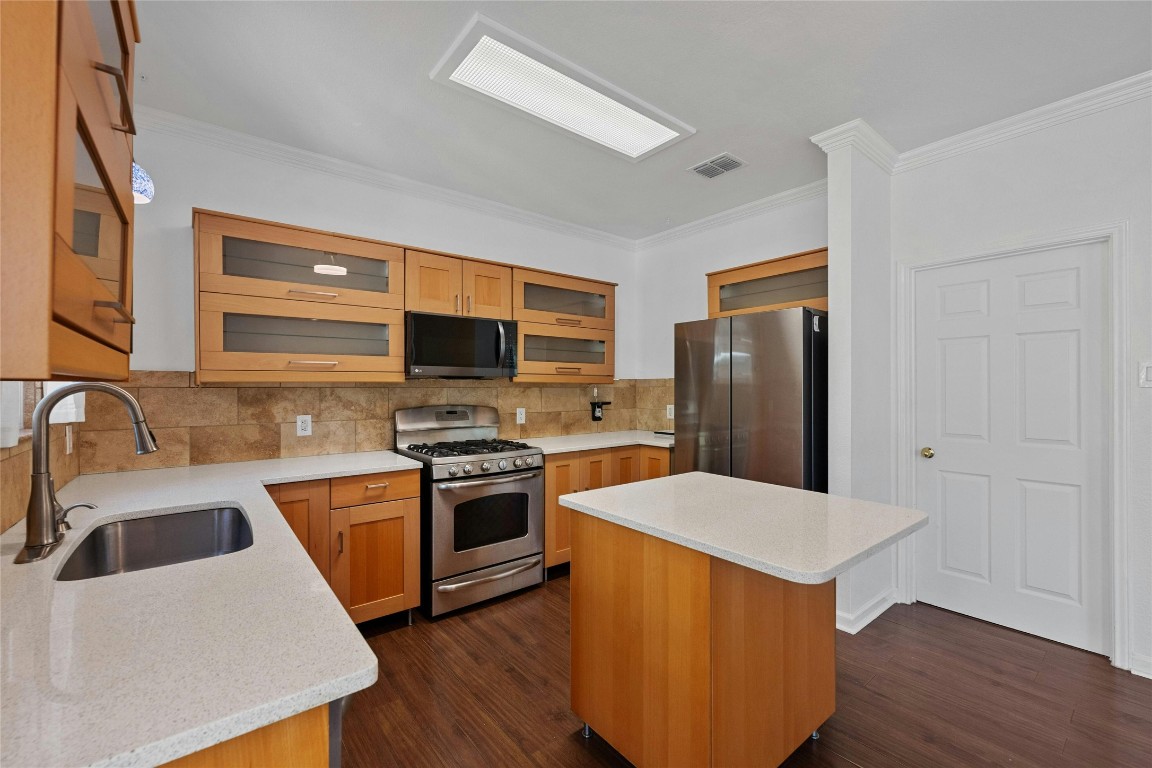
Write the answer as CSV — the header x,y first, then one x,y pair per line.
x,y
363,533
577,471
298,740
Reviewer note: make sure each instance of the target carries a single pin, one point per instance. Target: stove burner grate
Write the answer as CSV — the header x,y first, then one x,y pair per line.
x,y
467,448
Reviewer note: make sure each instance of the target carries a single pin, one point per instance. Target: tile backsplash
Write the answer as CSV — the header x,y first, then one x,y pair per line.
x,y
222,423
16,462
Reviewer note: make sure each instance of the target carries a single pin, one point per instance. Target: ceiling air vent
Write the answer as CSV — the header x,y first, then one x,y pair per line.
x,y
710,169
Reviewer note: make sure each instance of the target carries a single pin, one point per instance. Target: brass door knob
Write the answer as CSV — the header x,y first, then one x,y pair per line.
x,y
927,453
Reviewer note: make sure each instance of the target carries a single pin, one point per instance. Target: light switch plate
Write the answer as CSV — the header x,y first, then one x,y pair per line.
x,y
303,426
671,411
67,439
1146,374
521,415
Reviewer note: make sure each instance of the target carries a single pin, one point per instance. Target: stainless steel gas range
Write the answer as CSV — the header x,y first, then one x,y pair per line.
x,y
481,504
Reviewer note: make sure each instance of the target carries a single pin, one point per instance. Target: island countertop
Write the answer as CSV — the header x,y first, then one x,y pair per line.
x,y
137,669
800,536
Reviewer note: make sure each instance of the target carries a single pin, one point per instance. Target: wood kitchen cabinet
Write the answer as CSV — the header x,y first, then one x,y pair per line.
x,y
566,473
566,328
305,507
67,206
375,547
448,285
543,297
799,280
626,465
654,462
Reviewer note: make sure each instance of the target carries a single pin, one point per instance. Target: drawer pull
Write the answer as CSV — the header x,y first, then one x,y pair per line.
x,y
340,543
313,362
118,308
125,102
561,369
457,303
329,294
375,485
568,321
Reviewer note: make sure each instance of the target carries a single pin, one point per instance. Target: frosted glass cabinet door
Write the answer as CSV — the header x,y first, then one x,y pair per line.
x,y
278,261
566,352
257,339
540,297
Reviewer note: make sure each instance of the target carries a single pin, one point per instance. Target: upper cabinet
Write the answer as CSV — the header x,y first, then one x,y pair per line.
x,y
799,280
448,285
282,303
67,210
541,297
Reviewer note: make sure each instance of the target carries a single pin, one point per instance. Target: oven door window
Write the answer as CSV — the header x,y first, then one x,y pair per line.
x,y
489,520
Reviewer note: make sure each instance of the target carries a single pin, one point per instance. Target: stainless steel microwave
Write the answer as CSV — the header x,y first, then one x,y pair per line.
x,y
455,347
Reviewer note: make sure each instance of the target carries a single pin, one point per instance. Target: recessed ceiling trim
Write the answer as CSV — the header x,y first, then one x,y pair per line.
x,y
486,36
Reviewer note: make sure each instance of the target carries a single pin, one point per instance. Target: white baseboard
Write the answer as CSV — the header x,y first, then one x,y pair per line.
x,y
1141,664
854,622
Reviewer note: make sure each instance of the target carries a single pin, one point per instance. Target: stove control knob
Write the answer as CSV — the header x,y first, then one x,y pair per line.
x,y
529,461
518,463
485,467
453,471
467,469
503,464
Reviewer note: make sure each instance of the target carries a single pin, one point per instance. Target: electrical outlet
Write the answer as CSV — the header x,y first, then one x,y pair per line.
x,y
521,415
671,411
1146,374
303,426
67,439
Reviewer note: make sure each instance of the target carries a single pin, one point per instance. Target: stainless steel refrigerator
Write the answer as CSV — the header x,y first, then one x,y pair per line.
x,y
752,397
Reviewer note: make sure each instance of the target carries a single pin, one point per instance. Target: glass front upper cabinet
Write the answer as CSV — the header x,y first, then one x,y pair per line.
x,y
259,259
799,280
571,353
540,297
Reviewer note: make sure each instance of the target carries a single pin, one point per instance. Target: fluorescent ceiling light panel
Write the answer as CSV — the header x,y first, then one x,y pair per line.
x,y
491,60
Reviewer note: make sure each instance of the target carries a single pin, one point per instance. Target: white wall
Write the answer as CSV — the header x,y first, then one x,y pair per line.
x,y
1087,172
672,274
193,173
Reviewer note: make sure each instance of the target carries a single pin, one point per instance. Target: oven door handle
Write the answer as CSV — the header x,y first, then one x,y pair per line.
x,y
486,481
494,577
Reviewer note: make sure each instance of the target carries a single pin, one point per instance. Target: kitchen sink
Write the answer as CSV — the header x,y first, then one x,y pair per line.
x,y
151,542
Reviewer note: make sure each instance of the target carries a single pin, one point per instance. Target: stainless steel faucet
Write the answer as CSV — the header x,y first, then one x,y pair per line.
x,y
47,519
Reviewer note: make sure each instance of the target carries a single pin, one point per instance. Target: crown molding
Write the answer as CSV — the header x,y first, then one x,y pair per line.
x,y
857,133
1082,104
159,121
780,200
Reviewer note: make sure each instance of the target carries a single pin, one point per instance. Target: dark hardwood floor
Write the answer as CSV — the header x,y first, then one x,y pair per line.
x,y
918,687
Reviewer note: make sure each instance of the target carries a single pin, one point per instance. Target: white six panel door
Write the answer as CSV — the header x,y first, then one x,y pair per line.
x,y
1012,396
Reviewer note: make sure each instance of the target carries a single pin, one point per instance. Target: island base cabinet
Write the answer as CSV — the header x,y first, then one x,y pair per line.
x,y
679,658
300,740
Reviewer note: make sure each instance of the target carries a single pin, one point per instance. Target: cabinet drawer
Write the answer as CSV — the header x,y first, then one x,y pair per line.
x,y
369,489
540,297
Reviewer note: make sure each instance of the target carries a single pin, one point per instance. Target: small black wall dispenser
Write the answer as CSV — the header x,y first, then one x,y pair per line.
x,y
598,405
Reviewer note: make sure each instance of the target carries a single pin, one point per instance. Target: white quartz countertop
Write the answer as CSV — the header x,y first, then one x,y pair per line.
x,y
137,669
800,536
594,441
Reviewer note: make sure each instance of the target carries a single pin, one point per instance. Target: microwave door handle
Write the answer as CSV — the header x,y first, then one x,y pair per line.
x,y
503,346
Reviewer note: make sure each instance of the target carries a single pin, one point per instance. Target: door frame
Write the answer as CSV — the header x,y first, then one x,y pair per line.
x,y
1116,269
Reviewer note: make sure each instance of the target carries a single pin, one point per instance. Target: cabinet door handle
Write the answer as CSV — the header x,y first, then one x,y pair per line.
x,y
375,485
561,369
329,294
469,304
125,103
340,543
313,362
568,321
118,308
457,303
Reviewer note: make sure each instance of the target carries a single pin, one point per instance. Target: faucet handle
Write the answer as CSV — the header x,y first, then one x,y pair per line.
x,y
62,523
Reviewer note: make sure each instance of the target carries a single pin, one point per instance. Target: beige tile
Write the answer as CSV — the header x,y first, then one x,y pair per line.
x,y
166,407
327,437
473,383
234,442
519,396
115,451
321,384
652,397
15,488
471,395
509,429
352,403
542,424
576,422
103,411
564,398
375,435
617,420
159,379
23,445
275,405
652,419
413,397
621,394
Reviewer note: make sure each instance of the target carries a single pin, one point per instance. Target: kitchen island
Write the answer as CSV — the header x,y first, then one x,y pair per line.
x,y
704,613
